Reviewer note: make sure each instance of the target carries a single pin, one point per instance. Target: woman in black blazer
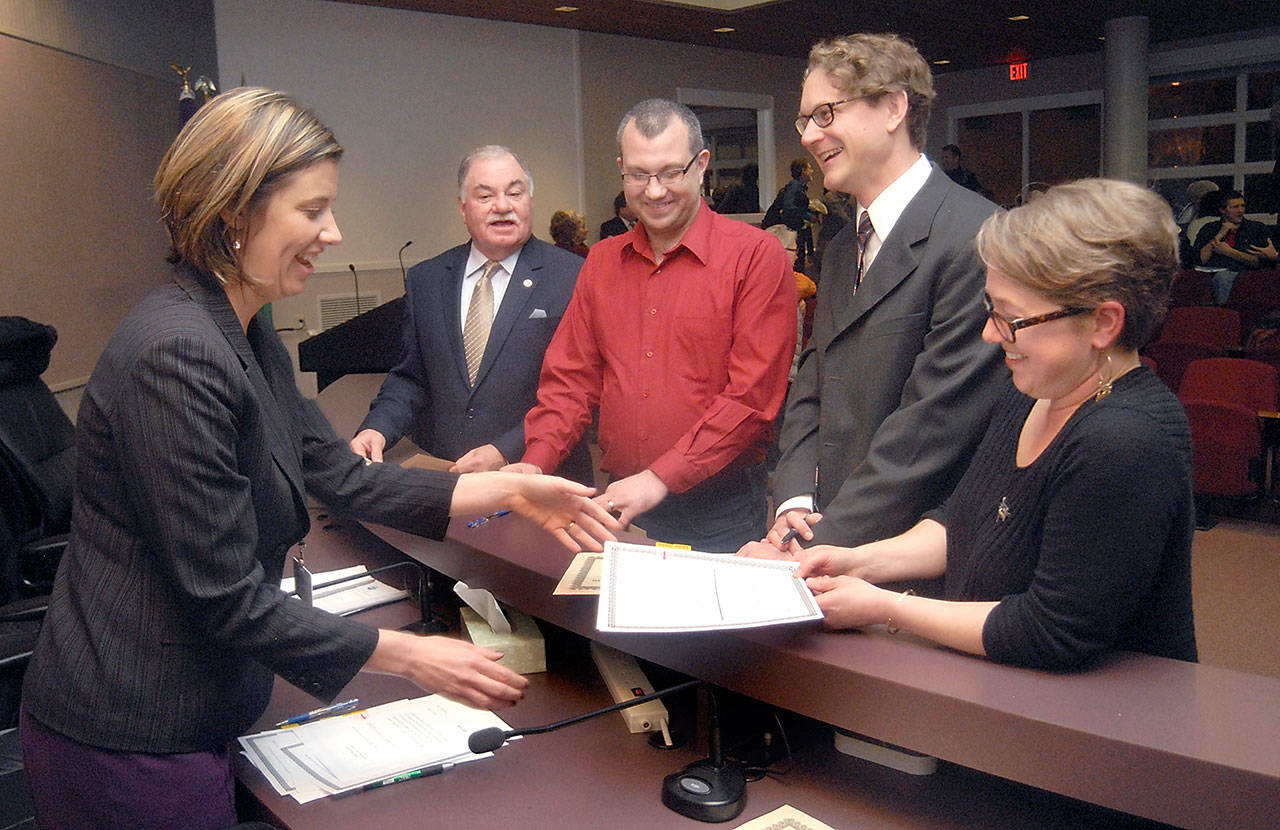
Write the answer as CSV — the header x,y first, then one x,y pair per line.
x,y
196,456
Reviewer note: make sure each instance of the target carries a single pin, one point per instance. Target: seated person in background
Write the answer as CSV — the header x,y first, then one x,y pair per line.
x,y
1188,209
1267,254
623,218
569,231
1224,244
1070,533
463,399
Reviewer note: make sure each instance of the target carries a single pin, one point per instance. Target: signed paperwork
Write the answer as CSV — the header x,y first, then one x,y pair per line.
x,y
655,589
344,753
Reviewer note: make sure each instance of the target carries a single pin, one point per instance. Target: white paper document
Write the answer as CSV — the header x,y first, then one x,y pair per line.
x,y
347,597
346,752
644,588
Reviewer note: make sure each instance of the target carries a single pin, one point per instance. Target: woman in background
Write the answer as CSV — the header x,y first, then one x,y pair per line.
x,y
569,231
195,459
1070,533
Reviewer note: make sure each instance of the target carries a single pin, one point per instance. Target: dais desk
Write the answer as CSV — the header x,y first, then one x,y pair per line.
x,y
1181,743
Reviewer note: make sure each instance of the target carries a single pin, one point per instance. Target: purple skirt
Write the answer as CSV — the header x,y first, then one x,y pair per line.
x,y
77,785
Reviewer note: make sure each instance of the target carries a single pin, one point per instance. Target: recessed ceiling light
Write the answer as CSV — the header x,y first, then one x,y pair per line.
x,y
942,62
565,9
1175,83
724,30
1018,18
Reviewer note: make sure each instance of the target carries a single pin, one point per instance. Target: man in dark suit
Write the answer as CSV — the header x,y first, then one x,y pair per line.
x,y
893,391
623,218
475,333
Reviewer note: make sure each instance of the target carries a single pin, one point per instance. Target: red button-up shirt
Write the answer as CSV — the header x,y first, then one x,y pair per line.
x,y
686,359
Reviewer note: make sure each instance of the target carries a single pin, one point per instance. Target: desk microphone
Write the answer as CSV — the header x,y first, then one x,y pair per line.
x,y
356,277
711,790
487,740
400,256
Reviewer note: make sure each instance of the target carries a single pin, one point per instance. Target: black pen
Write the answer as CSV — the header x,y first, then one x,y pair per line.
x,y
425,772
787,537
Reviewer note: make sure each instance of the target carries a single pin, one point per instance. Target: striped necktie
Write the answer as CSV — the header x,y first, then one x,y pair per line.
x,y
475,332
864,233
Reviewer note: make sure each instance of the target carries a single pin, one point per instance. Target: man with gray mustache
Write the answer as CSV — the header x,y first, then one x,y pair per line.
x,y
478,319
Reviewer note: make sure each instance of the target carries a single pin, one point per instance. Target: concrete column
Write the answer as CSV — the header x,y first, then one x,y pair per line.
x,y
1124,130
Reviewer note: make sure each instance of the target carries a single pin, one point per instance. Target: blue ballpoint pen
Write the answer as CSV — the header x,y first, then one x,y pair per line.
x,y
322,712
483,519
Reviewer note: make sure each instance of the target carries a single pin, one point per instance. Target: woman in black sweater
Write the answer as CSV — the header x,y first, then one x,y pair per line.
x,y
1070,533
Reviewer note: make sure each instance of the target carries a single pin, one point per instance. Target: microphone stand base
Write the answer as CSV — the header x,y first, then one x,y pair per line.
x,y
705,792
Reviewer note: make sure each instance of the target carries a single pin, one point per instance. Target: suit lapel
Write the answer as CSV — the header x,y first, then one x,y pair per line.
x,y
449,300
283,444
897,258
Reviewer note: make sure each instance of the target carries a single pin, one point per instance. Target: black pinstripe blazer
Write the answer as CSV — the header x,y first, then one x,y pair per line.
x,y
195,456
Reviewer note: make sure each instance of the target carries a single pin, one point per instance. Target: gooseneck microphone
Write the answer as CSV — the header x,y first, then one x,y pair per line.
x,y
400,256
487,740
356,277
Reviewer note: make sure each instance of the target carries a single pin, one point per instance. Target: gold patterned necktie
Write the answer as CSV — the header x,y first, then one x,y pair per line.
x,y
864,234
475,333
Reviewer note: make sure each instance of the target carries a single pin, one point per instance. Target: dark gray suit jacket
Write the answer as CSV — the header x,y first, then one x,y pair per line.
x,y
429,395
195,455
895,387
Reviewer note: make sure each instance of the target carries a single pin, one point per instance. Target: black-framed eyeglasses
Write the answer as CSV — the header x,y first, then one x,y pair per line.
x,y
666,178
823,114
1008,328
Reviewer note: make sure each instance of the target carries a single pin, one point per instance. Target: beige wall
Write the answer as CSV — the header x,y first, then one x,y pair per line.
x,y
79,238
409,94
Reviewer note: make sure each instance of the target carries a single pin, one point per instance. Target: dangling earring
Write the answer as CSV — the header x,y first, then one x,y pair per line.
x,y
1105,381
235,244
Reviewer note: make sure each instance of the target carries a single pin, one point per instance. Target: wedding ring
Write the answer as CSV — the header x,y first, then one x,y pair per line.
x,y
610,505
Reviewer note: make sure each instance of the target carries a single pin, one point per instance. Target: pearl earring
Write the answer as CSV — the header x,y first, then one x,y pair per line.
x,y
235,244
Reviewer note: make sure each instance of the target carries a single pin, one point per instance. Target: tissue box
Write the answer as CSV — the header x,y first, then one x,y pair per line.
x,y
523,650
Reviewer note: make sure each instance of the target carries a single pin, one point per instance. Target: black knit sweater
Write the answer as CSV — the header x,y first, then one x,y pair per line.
x,y
1088,548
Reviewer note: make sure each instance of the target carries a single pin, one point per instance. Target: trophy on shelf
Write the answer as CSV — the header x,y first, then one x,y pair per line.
x,y
187,105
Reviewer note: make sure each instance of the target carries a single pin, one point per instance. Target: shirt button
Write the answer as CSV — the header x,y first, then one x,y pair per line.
x,y
644,394
653,311
648,354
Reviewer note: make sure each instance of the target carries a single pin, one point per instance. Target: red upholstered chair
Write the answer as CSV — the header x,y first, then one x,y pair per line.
x,y
1191,287
1226,442
1249,383
1173,358
1207,325
1269,355
1254,295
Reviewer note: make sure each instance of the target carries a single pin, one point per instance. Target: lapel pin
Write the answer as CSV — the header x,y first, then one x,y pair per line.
x,y
528,283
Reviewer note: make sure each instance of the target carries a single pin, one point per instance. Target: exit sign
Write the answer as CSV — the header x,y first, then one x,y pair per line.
x,y
1019,71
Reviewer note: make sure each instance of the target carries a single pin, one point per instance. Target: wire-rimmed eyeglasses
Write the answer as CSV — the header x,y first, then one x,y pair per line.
x,y
666,178
1008,328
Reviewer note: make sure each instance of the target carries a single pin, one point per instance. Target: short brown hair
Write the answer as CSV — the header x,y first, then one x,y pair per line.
x,y
871,66
1085,242
237,150
568,227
